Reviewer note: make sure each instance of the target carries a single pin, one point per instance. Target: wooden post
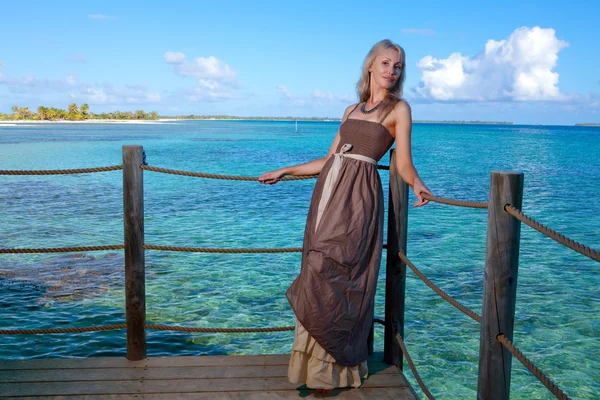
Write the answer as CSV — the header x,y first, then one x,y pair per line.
x,y
395,274
135,279
500,285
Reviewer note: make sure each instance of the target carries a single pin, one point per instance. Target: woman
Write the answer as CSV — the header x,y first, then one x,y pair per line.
x,y
333,295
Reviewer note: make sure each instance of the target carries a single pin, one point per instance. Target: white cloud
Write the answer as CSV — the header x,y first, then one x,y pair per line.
x,y
284,91
517,68
71,80
215,79
72,89
317,98
172,57
329,96
100,17
201,67
418,31
212,90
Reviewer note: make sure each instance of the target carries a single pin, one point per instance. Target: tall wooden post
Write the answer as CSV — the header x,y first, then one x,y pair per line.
x,y
135,279
395,274
500,285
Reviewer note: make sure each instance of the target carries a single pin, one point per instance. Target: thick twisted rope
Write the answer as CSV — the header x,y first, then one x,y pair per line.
x,y
459,203
223,250
218,330
148,326
230,177
62,249
63,330
413,368
552,234
439,291
60,171
217,176
532,368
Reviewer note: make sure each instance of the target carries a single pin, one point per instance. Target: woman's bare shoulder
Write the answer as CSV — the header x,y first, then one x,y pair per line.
x,y
348,110
402,108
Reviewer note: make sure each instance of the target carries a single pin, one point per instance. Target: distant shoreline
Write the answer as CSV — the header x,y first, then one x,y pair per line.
x,y
22,122
87,121
316,119
167,120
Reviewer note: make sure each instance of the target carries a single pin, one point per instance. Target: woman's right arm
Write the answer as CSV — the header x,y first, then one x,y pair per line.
x,y
313,167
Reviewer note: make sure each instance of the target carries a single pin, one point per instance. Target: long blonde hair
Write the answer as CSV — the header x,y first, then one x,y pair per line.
x,y
363,86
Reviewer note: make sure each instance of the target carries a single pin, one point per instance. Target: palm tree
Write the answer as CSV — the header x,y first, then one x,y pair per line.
x,y
73,112
84,110
42,113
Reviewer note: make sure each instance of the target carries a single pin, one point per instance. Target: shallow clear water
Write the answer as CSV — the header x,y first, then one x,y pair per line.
x,y
556,324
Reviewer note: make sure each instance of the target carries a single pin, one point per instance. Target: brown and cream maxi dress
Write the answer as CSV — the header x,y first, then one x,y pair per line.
x,y
333,296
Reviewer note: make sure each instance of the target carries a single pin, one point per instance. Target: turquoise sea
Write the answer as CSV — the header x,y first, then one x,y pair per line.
x,y
557,323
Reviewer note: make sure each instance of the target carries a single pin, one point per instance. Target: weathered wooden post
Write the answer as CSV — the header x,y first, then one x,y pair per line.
x,y
500,285
395,274
135,279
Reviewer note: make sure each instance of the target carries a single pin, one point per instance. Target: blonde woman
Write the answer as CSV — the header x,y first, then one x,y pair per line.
x,y
333,295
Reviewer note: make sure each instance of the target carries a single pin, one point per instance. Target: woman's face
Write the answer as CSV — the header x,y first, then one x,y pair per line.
x,y
386,68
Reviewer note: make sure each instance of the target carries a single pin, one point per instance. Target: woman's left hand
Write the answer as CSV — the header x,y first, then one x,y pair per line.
x,y
419,187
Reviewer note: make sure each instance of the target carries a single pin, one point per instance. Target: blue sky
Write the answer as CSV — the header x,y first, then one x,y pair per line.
x,y
525,62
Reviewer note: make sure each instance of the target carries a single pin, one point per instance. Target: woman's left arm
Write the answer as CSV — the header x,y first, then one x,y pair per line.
x,y
404,163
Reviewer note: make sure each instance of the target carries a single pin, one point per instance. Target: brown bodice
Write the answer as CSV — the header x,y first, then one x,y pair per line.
x,y
367,138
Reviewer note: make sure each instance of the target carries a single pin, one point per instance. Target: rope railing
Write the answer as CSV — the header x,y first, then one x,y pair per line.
x,y
156,247
439,291
60,171
224,250
452,202
412,367
152,247
552,234
230,177
61,330
161,327
148,326
62,249
219,176
532,368
505,342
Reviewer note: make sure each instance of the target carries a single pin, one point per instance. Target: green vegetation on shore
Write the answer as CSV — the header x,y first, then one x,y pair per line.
x,y
73,113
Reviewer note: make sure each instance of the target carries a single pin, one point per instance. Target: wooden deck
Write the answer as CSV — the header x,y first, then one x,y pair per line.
x,y
172,378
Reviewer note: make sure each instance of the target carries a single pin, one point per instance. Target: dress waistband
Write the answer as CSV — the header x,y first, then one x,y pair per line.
x,y
347,147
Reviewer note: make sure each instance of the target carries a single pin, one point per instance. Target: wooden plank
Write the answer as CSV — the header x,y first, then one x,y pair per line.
x,y
122,374
395,272
375,362
135,278
117,374
172,386
500,285
151,362
346,394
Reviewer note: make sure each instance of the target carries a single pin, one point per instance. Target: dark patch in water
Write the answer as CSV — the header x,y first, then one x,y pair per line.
x,y
72,277
420,235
